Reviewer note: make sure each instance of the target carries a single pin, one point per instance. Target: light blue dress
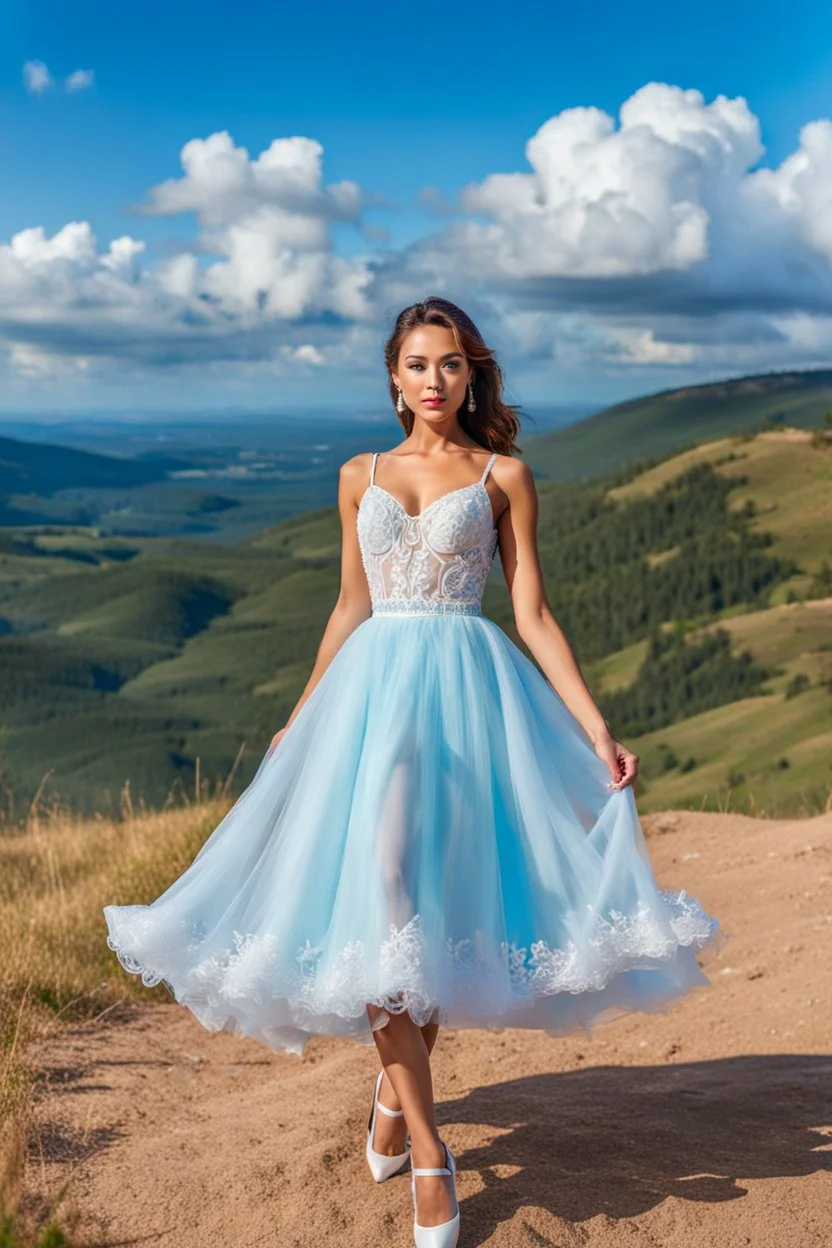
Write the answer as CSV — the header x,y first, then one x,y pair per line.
x,y
433,833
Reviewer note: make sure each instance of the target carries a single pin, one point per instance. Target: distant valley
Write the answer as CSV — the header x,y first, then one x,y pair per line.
x,y
219,478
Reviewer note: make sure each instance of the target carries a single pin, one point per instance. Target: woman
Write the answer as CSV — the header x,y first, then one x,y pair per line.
x,y
439,834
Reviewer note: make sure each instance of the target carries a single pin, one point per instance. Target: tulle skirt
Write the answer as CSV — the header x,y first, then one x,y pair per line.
x,y
432,834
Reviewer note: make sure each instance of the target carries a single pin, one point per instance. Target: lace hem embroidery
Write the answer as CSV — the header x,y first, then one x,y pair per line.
x,y
403,973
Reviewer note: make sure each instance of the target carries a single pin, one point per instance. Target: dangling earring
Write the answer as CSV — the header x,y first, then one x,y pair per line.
x,y
401,406
472,402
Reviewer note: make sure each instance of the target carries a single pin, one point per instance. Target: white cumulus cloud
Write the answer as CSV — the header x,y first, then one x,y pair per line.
x,y
36,77
221,184
800,190
268,222
655,241
605,201
79,80
660,231
261,272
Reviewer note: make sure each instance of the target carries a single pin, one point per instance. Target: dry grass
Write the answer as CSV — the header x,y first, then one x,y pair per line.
x,y
57,872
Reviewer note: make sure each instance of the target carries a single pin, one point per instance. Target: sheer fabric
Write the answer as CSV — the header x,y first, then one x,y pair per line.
x,y
439,559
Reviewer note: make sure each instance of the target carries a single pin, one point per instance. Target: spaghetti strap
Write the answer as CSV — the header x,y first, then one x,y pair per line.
x,y
487,468
373,468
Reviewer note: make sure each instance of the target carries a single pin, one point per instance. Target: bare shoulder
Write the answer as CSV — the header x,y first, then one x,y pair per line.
x,y
513,475
353,468
354,473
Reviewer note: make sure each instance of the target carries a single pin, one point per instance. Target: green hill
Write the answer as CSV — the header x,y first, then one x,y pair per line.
x,y
34,474
44,467
658,424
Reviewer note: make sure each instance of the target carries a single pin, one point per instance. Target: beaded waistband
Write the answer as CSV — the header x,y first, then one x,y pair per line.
x,y
424,606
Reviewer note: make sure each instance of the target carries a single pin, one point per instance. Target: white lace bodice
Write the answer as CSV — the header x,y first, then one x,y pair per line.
x,y
432,563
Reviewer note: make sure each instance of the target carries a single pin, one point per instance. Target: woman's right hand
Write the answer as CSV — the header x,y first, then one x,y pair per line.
x,y
623,763
276,739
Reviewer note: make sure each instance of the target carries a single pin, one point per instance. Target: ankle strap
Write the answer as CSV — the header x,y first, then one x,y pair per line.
x,y
391,1113
449,1169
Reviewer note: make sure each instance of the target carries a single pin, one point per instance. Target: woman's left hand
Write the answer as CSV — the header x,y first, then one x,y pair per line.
x,y
623,763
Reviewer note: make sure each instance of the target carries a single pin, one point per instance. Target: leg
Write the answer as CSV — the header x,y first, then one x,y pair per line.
x,y
391,1133
397,833
396,836
406,1060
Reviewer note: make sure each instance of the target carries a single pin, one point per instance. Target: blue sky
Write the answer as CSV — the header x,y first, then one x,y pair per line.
x,y
429,99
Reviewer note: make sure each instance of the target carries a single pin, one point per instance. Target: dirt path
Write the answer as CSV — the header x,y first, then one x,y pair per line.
x,y
709,1128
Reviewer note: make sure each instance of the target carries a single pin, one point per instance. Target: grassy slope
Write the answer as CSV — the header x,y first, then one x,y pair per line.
x,y
790,484
196,629
662,423
56,875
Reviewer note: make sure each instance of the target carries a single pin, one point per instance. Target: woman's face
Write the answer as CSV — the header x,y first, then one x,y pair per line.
x,y
430,364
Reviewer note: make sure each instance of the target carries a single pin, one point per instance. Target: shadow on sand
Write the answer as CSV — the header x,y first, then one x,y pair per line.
x,y
618,1140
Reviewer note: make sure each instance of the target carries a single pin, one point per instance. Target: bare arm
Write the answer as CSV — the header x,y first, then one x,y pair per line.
x,y
536,625
353,603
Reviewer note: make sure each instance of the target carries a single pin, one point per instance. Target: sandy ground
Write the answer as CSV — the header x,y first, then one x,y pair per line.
x,y
709,1127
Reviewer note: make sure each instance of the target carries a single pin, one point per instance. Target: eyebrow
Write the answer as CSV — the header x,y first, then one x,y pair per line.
x,y
447,356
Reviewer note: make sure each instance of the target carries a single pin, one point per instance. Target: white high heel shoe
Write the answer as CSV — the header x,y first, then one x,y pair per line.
x,y
382,1166
446,1234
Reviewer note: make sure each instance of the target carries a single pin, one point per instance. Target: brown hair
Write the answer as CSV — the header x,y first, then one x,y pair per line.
x,y
495,424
